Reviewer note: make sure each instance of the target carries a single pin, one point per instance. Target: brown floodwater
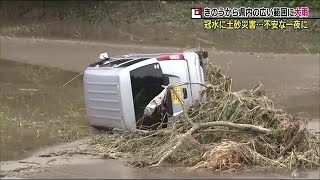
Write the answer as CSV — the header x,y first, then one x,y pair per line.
x,y
105,169
36,111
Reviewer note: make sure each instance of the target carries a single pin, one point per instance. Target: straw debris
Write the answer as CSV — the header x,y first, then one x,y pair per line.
x,y
232,130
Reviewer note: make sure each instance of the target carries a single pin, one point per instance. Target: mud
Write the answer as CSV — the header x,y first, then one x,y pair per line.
x,y
47,157
87,166
285,77
44,164
115,169
292,81
36,110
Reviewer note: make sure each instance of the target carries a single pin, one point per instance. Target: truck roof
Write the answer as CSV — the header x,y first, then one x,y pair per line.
x,y
149,56
201,53
127,60
130,59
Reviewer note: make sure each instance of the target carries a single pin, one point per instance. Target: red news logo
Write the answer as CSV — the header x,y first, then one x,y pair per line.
x,y
196,13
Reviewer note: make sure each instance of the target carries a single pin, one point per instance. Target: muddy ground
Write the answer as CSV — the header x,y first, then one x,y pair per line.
x,y
291,80
36,110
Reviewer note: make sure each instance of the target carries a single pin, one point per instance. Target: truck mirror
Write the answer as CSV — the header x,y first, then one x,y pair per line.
x,y
205,54
104,56
202,54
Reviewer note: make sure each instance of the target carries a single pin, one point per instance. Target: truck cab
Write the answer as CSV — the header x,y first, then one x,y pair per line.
x,y
117,89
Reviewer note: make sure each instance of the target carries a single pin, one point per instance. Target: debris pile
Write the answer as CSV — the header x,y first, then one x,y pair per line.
x,y
232,130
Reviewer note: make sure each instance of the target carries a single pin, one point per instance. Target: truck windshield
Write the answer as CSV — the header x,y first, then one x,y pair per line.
x,y
146,83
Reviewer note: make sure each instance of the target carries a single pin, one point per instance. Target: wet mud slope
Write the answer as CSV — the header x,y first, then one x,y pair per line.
x,y
290,80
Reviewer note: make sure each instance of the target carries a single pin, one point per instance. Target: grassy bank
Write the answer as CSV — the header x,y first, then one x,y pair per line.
x,y
153,22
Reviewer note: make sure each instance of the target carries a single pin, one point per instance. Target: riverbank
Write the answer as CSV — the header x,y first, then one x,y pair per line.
x,y
297,89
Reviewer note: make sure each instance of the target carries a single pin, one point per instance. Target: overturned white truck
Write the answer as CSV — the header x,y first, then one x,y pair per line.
x,y
118,89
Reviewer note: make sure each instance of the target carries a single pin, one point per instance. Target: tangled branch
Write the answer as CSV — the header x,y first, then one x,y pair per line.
x,y
229,131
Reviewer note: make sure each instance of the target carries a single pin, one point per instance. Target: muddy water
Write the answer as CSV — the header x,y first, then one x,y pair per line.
x,y
35,110
31,96
290,80
115,169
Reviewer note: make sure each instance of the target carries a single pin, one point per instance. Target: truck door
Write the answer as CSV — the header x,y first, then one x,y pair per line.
x,y
177,71
146,83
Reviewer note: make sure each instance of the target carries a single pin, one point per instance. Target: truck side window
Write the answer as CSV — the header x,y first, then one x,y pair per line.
x,y
146,83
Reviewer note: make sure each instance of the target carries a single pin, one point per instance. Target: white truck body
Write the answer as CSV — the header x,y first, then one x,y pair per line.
x,y
118,89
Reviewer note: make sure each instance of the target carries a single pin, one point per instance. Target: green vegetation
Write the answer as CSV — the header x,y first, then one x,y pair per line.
x,y
133,11
154,22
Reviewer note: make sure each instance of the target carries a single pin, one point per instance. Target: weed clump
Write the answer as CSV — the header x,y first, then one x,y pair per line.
x,y
231,130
